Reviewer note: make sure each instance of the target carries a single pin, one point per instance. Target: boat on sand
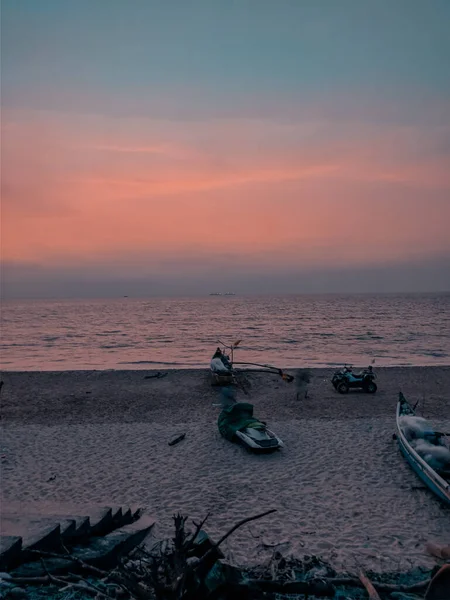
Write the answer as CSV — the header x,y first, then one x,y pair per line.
x,y
223,367
426,450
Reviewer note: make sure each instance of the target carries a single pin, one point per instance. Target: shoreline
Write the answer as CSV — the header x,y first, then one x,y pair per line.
x,y
47,397
169,367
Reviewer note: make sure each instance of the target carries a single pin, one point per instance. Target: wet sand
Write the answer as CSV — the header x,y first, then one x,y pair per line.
x,y
340,486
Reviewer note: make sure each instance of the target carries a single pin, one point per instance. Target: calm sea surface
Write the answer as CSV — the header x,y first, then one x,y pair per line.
x,y
289,331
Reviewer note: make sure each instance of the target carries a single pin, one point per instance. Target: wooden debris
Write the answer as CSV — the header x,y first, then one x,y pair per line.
x,y
274,544
191,566
102,553
157,375
177,439
373,594
71,558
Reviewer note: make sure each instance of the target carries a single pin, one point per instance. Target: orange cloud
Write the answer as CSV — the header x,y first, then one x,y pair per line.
x,y
134,149
198,182
79,190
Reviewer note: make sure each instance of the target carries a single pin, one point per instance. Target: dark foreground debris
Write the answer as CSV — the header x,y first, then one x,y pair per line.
x,y
190,566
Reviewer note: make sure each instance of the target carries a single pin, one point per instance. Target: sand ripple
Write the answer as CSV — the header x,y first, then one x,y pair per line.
x,y
341,488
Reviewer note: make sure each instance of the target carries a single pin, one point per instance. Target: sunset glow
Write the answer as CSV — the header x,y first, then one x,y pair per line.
x,y
137,182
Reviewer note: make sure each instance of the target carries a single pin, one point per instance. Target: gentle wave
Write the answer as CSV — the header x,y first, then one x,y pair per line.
x,y
288,331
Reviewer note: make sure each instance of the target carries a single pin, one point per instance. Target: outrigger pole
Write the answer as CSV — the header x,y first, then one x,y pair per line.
x,y
267,368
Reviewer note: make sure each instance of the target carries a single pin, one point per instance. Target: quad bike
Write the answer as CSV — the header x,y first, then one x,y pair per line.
x,y
345,379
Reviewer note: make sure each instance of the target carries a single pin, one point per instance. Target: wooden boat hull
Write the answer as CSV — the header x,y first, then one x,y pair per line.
x,y
437,484
221,369
221,378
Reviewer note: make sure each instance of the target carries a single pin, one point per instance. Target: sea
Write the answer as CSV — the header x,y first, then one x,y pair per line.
x,y
287,331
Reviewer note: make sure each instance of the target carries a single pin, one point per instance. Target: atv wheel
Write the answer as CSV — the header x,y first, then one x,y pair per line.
x,y
342,388
371,388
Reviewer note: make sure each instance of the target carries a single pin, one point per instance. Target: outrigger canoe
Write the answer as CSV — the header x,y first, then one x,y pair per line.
x,y
223,366
221,369
425,450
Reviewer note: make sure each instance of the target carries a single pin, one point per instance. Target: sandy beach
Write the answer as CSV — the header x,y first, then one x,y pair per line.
x,y
340,486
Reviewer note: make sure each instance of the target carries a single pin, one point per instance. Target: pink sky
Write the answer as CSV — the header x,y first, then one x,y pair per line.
x,y
151,140
93,190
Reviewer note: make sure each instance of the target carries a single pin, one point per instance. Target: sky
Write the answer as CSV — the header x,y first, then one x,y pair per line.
x,y
166,147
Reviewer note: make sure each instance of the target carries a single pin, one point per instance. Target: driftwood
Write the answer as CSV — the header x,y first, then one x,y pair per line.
x,y
177,439
81,585
44,580
182,578
326,586
279,570
373,594
243,522
172,572
74,559
251,584
191,567
157,375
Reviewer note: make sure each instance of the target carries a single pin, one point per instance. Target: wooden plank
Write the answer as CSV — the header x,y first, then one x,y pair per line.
x,y
10,550
102,552
37,533
101,520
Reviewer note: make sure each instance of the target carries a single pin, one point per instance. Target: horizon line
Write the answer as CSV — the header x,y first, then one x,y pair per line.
x,y
223,295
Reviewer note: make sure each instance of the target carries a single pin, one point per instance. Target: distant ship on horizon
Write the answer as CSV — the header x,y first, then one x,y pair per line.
x,y
220,294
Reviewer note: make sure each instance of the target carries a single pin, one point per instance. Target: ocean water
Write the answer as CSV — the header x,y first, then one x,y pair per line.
x,y
288,331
